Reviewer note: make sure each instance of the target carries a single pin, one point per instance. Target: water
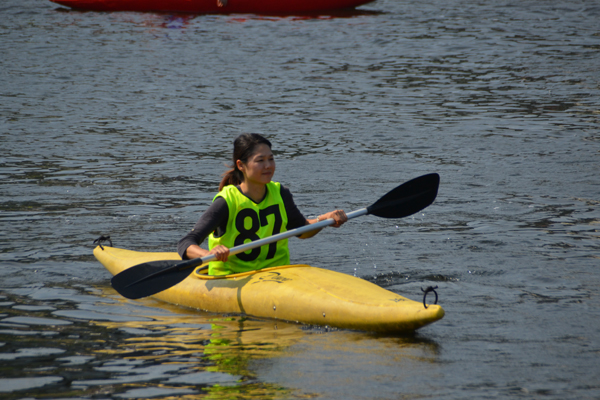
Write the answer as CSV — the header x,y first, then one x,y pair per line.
x,y
120,123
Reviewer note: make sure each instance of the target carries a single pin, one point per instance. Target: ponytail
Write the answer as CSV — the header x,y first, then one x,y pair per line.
x,y
243,149
232,177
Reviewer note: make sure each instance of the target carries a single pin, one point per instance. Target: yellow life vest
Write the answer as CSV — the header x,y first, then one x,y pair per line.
x,y
248,222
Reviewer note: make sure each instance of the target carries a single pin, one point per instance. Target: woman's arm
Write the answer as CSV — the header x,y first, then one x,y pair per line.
x,y
339,216
214,218
195,251
297,220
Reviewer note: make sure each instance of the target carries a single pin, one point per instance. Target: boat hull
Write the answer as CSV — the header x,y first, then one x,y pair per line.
x,y
211,6
297,293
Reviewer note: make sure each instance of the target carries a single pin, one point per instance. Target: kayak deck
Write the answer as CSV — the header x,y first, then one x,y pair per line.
x,y
296,293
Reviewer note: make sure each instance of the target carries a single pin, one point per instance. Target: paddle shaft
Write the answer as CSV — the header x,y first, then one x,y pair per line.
x,y
152,277
247,246
272,239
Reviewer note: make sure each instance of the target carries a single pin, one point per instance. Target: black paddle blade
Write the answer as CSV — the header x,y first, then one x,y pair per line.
x,y
408,198
152,277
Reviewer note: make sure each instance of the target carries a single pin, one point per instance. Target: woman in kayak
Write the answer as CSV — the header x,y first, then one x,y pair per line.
x,y
248,207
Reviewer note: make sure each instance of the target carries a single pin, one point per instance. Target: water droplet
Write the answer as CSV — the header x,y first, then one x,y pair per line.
x,y
274,307
323,314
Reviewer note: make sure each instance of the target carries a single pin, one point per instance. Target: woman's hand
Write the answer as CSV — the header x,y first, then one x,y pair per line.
x,y
339,216
221,252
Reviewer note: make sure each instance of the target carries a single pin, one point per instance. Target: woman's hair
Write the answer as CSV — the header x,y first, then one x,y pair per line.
x,y
243,148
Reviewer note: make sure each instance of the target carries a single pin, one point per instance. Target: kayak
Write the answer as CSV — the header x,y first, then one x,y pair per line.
x,y
212,6
295,293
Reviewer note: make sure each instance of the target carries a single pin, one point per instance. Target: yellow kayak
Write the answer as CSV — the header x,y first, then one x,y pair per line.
x,y
296,293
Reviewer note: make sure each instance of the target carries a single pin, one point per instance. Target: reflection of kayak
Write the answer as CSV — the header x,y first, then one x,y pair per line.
x,y
211,6
294,293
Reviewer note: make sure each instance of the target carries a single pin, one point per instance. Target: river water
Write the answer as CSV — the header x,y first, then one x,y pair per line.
x,y
120,124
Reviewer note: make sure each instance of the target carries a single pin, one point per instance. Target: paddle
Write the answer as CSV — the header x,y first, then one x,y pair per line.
x,y
152,277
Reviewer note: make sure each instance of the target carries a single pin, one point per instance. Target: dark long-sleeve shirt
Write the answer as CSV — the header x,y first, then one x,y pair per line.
x,y
216,216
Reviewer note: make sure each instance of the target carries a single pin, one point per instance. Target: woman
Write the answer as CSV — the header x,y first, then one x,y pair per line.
x,y
248,207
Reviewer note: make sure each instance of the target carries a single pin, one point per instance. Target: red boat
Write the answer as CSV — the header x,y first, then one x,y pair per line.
x,y
215,6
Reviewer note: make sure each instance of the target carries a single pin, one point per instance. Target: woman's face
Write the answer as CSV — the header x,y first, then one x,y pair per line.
x,y
260,166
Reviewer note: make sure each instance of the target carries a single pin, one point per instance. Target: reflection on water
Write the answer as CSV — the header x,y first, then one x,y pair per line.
x,y
102,344
329,365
